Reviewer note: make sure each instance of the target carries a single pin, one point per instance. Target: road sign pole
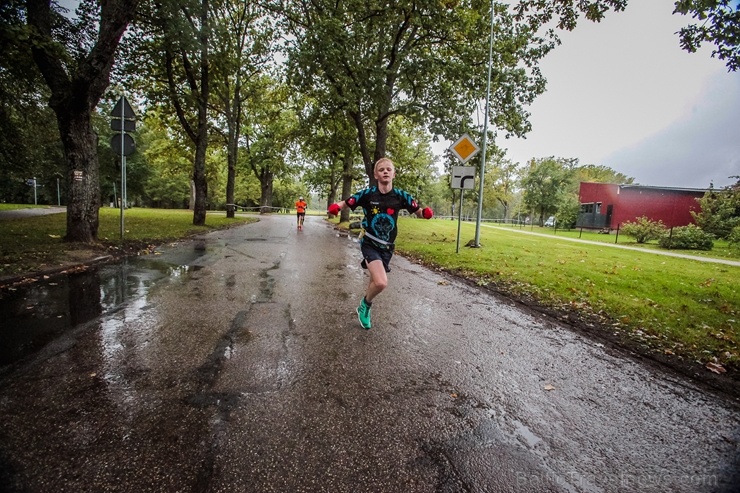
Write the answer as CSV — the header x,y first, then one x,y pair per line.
x,y
35,200
459,219
123,167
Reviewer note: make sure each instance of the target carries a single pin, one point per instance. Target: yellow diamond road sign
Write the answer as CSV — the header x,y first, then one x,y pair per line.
x,y
464,148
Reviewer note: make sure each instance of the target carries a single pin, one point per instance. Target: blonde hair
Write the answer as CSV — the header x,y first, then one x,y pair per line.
x,y
383,160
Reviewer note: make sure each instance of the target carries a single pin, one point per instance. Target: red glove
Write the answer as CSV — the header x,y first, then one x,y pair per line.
x,y
427,213
334,209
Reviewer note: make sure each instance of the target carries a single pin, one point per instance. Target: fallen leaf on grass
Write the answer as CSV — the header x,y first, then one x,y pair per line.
x,y
715,367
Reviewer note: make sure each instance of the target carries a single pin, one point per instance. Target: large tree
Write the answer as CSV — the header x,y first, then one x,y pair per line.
x,y
77,71
243,40
270,131
500,182
169,63
425,60
544,182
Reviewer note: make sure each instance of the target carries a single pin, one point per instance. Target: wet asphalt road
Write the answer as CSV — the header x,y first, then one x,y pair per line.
x,y
236,364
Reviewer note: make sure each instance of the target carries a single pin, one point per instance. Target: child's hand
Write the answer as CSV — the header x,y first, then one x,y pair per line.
x,y
427,213
334,209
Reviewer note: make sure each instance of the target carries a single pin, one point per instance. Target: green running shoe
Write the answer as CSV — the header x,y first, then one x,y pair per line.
x,y
363,313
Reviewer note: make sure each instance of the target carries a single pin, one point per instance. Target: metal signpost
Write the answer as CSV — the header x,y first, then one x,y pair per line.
x,y
463,177
33,183
123,121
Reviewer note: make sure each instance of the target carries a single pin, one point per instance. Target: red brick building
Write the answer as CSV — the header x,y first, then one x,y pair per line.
x,y
605,205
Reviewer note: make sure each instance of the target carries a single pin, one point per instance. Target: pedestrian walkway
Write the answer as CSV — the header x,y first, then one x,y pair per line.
x,y
31,212
624,247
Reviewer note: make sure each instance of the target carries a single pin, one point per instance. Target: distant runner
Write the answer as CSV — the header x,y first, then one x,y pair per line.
x,y
300,207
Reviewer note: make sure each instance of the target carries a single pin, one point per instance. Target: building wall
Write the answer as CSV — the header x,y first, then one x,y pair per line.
x,y
671,206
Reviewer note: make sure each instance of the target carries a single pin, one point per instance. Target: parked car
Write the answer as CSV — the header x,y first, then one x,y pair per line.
x,y
550,223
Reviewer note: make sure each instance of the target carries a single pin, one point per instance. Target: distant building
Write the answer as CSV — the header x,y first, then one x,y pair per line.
x,y
605,205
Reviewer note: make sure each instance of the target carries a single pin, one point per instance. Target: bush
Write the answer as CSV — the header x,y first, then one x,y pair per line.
x,y
734,239
689,237
643,230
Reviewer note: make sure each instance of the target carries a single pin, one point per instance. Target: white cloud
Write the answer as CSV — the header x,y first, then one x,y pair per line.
x,y
701,147
623,94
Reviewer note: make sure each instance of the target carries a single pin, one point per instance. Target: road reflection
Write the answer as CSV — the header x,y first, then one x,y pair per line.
x,y
33,315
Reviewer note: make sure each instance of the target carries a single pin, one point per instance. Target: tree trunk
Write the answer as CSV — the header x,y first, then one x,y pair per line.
x,y
364,148
346,184
201,142
83,182
266,180
199,179
230,178
381,139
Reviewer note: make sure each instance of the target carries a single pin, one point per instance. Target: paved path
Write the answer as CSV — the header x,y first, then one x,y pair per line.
x,y
31,212
235,363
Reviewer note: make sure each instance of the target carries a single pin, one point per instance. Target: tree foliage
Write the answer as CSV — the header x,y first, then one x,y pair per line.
x,y
243,39
29,138
269,137
424,60
720,210
500,182
543,182
169,63
717,23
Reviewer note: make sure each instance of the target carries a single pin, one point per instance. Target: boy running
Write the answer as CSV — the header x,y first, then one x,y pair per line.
x,y
380,204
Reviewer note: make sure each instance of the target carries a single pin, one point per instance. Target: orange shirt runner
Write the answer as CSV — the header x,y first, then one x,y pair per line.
x,y
300,207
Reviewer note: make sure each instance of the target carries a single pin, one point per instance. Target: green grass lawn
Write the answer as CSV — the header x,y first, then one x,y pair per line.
x,y
30,244
676,306
721,247
12,207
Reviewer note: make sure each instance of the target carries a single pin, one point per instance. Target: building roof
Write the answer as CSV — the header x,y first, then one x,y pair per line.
x,y
671,189
650,187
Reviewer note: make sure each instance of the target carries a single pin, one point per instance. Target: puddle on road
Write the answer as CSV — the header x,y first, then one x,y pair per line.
x,y
33,315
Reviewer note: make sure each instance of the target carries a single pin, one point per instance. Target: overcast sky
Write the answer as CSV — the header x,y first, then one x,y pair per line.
x,y
623,94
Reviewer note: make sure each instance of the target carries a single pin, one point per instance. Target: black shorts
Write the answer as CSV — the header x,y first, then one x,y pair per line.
x,y
370,253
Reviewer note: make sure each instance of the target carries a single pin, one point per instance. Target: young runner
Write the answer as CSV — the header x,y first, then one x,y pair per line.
x,y
380,204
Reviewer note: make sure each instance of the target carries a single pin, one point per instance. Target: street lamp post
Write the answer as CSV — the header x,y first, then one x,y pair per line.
x,y
485,136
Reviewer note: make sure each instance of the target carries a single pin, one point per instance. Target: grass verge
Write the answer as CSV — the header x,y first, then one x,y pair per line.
x,y
35,244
